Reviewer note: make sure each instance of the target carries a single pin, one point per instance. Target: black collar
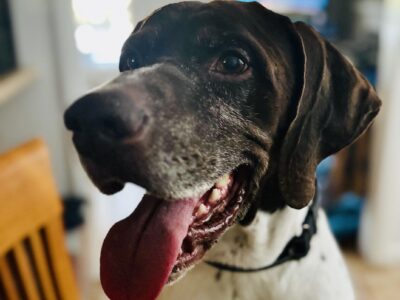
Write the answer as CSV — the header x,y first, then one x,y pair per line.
x,y
295,249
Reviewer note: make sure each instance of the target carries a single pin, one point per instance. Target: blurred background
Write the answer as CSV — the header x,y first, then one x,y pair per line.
x,y
52,51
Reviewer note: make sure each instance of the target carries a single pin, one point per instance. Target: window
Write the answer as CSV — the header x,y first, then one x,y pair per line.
x,y
102,27
298,6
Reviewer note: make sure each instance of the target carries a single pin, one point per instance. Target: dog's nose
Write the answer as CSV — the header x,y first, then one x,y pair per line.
x,y
107,115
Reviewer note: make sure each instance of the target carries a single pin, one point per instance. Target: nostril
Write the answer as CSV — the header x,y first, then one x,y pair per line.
x,y
124,126
145,120
113,127
141,122
139,126
72,121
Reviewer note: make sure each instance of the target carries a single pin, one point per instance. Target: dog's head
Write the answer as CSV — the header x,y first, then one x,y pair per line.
x,y
220,109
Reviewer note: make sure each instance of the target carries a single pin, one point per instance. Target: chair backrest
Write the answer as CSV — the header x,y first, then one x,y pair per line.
x,y
34,263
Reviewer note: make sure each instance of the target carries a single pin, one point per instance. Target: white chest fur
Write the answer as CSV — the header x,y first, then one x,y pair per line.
x,y
321,275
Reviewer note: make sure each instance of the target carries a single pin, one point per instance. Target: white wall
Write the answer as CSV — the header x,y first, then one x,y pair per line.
x,y
36,111
380,230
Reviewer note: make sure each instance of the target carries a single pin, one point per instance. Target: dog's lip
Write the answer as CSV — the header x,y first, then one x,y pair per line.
x,y
110,186
201,236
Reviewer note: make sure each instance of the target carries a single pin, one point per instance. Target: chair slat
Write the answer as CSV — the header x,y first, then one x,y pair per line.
x,y
8,280
25,270
61,263
42,266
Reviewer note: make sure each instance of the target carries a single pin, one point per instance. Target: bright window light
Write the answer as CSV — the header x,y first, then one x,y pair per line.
x,y
102,27
294,6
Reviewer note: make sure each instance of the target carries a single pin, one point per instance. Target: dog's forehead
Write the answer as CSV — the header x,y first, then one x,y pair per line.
x,y
195,18
207,23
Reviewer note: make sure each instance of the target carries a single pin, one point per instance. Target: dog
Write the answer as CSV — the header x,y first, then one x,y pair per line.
x,y
222,112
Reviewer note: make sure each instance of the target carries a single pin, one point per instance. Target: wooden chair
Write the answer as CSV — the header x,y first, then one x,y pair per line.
x,y
34,263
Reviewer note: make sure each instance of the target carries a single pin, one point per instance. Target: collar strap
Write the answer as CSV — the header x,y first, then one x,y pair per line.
x,y
295,249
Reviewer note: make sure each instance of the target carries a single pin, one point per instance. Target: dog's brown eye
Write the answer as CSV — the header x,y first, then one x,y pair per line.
x,y
231,64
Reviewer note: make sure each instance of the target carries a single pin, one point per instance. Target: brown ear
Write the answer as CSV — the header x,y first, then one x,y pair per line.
x,y
336,105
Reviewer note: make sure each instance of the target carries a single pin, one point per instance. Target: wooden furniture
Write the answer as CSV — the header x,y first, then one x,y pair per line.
x,y
34,264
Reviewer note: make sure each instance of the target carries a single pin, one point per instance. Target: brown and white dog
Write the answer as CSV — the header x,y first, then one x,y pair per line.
x,y
222,112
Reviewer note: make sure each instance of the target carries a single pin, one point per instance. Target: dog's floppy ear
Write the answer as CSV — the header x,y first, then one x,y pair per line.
x,y
336,105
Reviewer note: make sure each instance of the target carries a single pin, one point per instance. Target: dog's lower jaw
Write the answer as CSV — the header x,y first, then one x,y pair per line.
x,y
322,274
177,276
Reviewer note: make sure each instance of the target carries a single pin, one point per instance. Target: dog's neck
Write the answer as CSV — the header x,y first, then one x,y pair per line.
x,y
261,242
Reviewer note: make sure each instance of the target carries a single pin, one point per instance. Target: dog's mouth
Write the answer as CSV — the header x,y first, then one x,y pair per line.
x,y
162,238
215,211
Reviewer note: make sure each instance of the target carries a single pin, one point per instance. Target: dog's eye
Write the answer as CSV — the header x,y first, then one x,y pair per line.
x,y
128,63
131,63
231,63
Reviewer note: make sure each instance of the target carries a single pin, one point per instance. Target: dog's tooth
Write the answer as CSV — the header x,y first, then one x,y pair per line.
x,y
223,181
214,196
202,210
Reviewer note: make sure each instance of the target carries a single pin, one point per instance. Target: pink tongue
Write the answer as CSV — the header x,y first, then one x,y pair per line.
x,y
139,252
